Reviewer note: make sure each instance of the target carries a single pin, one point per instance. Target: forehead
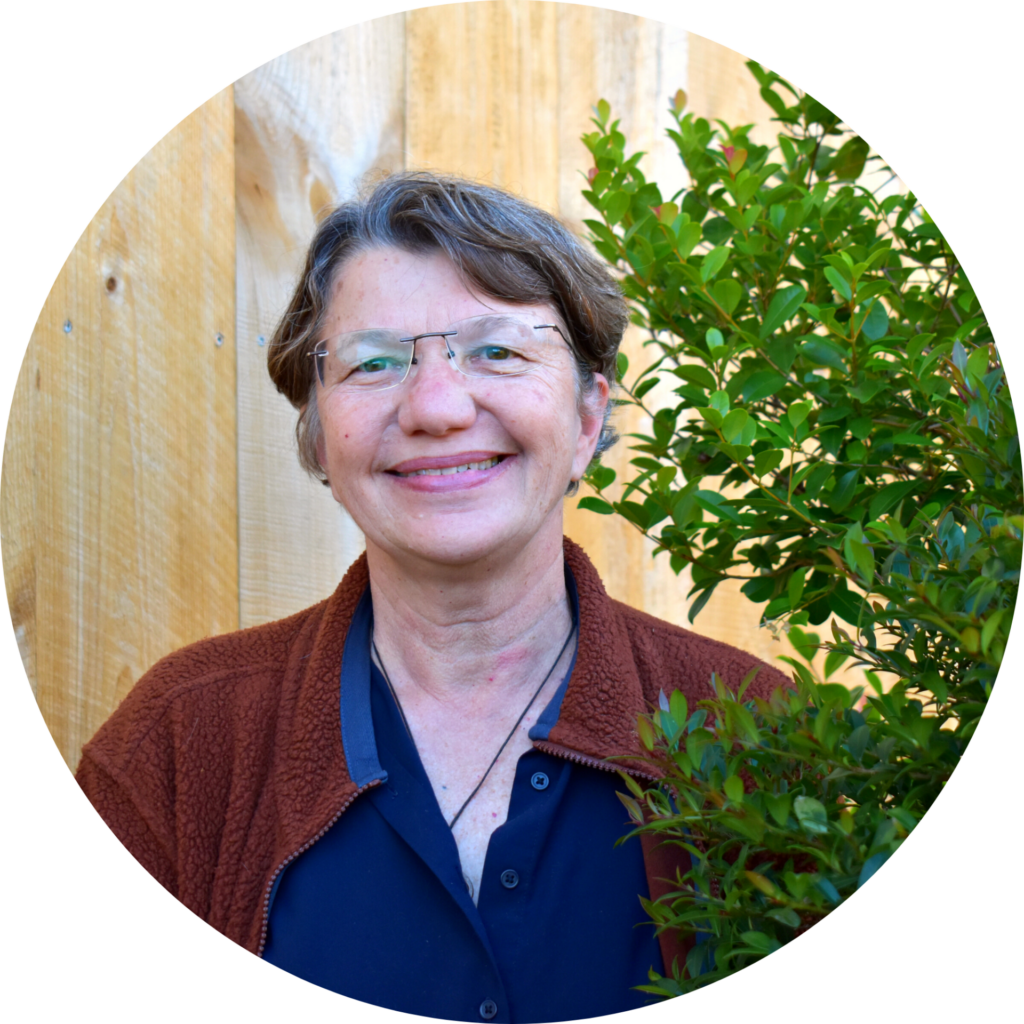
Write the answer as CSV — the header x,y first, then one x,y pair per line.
x,y
386,287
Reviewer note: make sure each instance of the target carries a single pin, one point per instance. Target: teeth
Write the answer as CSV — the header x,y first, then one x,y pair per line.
x,y
486,464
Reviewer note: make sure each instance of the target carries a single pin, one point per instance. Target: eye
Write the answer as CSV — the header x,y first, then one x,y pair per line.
x,y
377,364
493,353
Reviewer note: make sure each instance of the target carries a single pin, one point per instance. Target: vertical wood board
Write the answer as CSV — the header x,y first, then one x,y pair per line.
x,y
119,487
311,125
635,64
482,95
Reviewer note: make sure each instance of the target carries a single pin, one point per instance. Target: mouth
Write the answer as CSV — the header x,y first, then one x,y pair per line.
x,y
464,467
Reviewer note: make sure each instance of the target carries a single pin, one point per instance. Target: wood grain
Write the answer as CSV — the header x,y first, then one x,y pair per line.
x,y
635,64
310,126
483,95
118,500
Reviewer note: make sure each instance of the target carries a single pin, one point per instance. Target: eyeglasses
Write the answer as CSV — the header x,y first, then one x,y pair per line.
x,y
482,346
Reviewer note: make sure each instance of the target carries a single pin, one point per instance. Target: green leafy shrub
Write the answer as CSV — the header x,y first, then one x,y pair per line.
x,y
834,428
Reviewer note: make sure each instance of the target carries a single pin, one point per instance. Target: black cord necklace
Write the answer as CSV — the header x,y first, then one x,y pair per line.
x,y
483,778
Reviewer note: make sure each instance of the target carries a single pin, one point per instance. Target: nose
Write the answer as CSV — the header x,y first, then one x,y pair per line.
x,y
435,398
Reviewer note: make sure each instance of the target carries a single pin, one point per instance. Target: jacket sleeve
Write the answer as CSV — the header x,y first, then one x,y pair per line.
x,y
139,830
128,772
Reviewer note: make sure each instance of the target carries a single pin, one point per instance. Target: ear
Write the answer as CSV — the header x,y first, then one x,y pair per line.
x,y
591,415
321,447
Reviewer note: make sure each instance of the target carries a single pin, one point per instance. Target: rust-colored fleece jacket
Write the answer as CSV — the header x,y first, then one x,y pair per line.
x,y
225,762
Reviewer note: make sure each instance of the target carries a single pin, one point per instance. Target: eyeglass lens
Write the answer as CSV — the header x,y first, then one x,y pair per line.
x,y
487,346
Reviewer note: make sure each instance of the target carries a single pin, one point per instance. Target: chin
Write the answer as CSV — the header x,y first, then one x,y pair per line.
x,y
461,544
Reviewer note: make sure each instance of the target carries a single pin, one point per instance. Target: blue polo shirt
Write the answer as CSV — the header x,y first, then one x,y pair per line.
x,y
378,908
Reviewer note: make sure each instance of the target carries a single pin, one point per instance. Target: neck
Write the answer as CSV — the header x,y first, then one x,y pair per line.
x,y
471,631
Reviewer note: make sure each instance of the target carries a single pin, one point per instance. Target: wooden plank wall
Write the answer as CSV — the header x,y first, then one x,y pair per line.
x,y
119,484
151,493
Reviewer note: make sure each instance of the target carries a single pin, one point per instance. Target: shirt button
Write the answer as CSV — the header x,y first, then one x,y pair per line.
x,y
539,780
509,878
488,1009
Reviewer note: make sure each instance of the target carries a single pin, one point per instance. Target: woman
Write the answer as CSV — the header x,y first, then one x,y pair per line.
x,y
403,793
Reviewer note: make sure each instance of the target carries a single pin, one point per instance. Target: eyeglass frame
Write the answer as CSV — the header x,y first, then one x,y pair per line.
x,y
316,353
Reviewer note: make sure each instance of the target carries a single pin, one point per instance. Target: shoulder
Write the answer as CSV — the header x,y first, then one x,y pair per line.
x,y
224,685
215,679
669,657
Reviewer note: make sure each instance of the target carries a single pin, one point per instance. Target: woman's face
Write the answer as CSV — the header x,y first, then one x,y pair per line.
x,y
528,430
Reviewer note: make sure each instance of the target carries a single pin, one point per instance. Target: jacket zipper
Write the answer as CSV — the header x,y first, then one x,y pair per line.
x,y
302,849
591,762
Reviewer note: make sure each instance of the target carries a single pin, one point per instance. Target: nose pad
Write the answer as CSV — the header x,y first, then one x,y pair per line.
x,y
447,351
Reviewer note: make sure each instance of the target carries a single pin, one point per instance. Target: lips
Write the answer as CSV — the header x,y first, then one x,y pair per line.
x,y
448,471
447,465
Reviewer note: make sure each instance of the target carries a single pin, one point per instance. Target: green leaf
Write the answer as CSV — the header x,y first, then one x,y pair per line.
x,y
714,339
824,353
839,283
842,494
863,560
634,512
733,787
762,883
811,814
798,412
848,163
720,400
713,262
736,452
828,890
861,427
702,599
615,206
848,606
786,916
876,324
688,236
759,942
713,502
795,587
890,496
594,504
778,806
727,293
717,230
782,307
734,425
698,375
766,461
977,363
762,384
646,732
871,865
833,661
711,415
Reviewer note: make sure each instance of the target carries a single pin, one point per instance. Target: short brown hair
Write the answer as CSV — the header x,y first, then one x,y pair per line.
x,y
502,245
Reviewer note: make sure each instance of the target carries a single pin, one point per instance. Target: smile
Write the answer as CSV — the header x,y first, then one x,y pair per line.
x,y
448,471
